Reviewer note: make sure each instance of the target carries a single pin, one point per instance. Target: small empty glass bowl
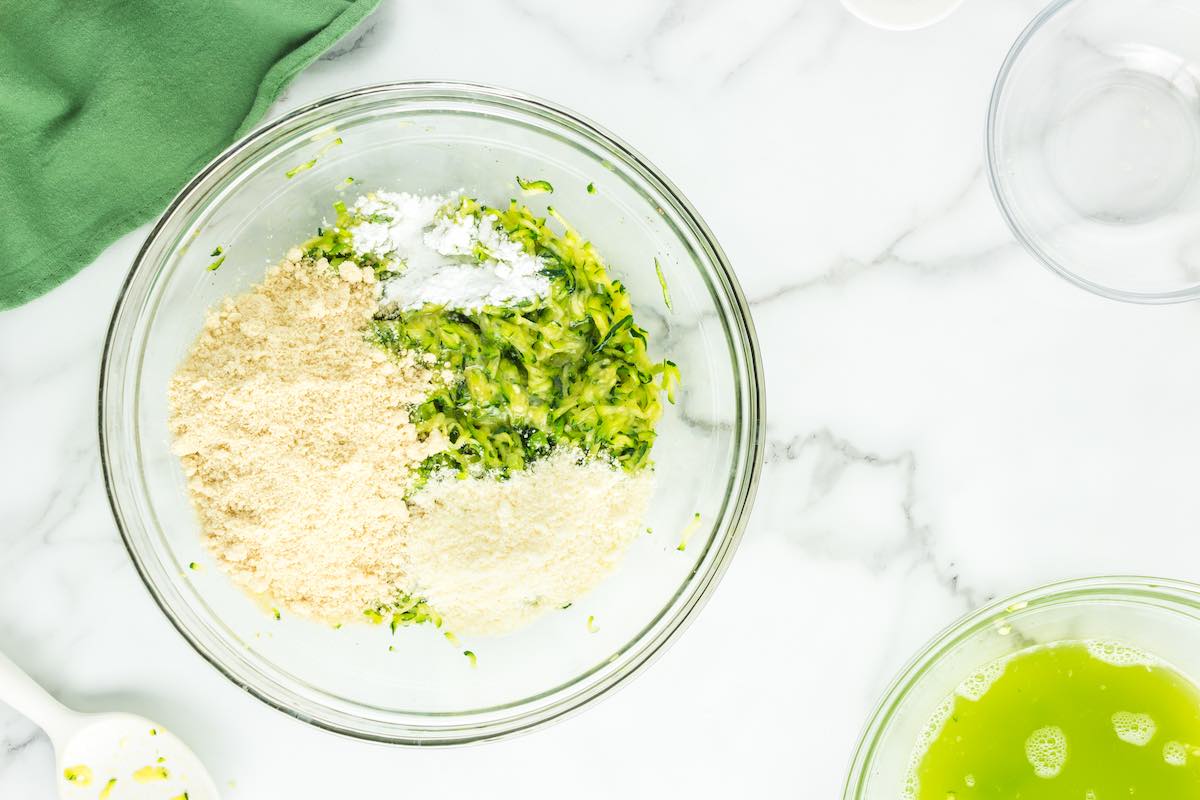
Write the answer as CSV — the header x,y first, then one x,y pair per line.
x,y
271,190
1161,617
1094,145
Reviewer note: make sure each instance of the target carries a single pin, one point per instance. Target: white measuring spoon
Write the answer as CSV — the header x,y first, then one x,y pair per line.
x,y
112,756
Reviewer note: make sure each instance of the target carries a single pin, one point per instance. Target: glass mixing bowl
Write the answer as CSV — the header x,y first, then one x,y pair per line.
x,y
1094,145
436,137
1161,617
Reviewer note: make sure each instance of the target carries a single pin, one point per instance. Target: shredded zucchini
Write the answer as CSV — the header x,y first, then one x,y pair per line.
x,y
570,369
409,610
662,281
307,165
107,790
80,774
296,170
591,625
688,531
471,657
217,251
336,244
591,188
534,187
150,774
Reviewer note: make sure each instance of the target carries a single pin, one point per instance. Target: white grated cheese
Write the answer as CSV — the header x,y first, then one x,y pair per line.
x,y
491,555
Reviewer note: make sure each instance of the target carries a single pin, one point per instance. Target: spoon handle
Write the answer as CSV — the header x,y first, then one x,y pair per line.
x,y
22,693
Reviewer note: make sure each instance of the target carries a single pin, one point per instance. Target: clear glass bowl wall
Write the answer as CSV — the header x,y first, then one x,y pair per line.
x,y
1093,145
1160,616
435,138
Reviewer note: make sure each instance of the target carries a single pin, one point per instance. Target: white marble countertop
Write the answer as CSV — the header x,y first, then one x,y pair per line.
x,y
949,421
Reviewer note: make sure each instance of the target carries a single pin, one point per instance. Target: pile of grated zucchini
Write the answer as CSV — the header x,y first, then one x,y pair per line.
x,y
571,369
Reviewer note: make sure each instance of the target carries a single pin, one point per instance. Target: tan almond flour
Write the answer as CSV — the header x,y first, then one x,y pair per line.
x,y
295,439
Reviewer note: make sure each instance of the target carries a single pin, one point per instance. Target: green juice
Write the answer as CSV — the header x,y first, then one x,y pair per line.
x,y
1068,721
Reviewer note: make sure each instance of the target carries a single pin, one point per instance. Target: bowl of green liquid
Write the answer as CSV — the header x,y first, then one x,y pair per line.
x,y
1080,690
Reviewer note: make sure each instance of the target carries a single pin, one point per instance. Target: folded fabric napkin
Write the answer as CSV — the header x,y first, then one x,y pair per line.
x,y
107,107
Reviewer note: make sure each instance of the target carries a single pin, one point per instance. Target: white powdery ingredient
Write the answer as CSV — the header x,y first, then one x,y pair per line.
x,y
401,236
435,254
491,555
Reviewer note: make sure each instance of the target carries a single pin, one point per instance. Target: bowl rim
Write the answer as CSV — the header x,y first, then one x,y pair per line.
x,y
741,329
999,86
970,623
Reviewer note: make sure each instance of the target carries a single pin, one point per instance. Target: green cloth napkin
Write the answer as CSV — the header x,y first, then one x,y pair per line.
x,y
107,107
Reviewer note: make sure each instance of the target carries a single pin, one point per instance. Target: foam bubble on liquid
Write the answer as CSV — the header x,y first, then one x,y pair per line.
x,y
1046,751
934,726
1090,794
1175,754
977,685
1118,654
929,733
1135,729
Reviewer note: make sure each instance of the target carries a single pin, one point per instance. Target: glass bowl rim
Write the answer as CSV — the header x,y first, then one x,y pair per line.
x,y
1178,591
748,453
1006,207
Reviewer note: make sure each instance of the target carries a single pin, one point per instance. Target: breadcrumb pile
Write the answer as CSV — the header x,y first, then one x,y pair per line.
x,y
295,439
